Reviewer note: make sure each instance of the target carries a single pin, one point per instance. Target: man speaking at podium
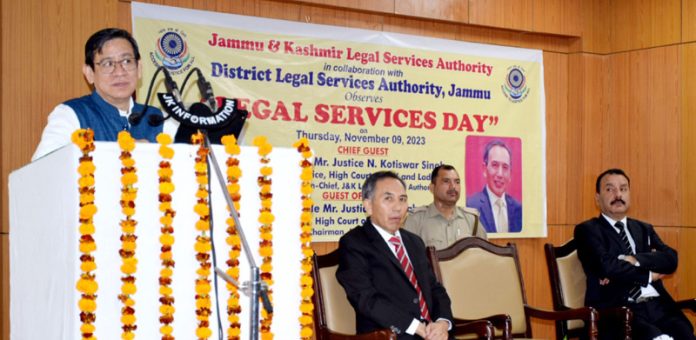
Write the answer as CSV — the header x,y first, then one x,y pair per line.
x,y
112,66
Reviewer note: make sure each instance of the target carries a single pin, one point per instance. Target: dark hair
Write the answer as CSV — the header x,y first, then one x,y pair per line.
x,y
436,171
494,143
369,186
96,42
611,172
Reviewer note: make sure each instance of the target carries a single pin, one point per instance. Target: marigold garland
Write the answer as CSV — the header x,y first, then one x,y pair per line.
x,y
86,284
166,187
306,281
233,239
202,245
266,219
129,263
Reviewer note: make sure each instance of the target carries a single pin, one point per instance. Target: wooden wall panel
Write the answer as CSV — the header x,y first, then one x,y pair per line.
x,y
688,18
558,17
517,15
639,24
383,6
688,137
448,10
595,26
335,17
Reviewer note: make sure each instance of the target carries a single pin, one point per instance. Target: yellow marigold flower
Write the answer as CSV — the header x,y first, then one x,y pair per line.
x,y
165,172
265,251
233,240
87,305
266,171
265,149
201,193
259,140
234,172
129,267
202,225
306,268
307,174
197,138
307,292
85,168
202,288
307,252
201,209
166,152
124,139
232,301
203,332
266,236
266,218
305,239
234,271
233,188
128,228
306,280
202,246
228,139
166,187
128,319
306,217
128,211
307,230
86,228
166,330
267,203
305,319
164,138
307,203
127,336
87,211
232,149
129,302
306,307
300,142
166,220
166,272
266,267
166,239
128,162
200,167
86,198
202,303
165,290
234,332
164,206
167,309
128,245
87,328
203,272
128,288
129,178
88,266
265,189
306,332
87,247
202,180
307,154
167,255
306,189
87,286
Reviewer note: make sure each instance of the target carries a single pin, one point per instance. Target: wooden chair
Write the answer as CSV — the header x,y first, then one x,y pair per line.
x,y
484,281
334,317
568,291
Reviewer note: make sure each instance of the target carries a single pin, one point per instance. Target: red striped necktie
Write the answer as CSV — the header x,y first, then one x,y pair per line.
x,y
408,269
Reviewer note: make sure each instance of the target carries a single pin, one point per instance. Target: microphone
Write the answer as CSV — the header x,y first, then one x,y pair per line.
x,y
171,86
206,91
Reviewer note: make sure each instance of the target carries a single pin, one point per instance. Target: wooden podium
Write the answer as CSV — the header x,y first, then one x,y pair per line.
x,y
44,254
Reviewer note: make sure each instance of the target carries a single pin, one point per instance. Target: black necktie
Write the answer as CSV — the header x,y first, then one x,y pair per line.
x,y
634,293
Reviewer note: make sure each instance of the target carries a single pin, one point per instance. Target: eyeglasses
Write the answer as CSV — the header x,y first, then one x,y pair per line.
x,y
108,66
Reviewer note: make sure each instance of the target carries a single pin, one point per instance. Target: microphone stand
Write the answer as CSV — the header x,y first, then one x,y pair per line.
x,y
255,288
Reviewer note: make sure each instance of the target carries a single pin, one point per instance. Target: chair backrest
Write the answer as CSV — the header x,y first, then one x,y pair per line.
x,y
568,281
483,279
331,307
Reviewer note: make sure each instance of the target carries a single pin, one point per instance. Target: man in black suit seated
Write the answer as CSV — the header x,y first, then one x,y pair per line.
x,y
385,271
625,260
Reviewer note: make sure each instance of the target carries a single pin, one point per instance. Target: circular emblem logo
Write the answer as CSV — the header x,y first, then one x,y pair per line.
x,y
515,87
172,51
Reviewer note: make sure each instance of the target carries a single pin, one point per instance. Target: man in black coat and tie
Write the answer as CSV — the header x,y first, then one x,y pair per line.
x,y
624,261
385,271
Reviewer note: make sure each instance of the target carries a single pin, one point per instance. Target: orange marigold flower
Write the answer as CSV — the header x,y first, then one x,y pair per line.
x,y
234,271
85,168
87,328
166,329
202,288
128,288
164,138
86,228
128,245
166,187
259,140
166,272
128,162
306,280
87,247
87,286
165,172
306,332
306,307
307,203
307,174
266,171
266,267
202,246
307,292
166,239
128,319
87,305
201,209
307,252
306,189
228,139
86,181
125,141
203,332
234,172
88,266
165,290
266,217
129,178
306,217
166,220
265,251
265,149
167,309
